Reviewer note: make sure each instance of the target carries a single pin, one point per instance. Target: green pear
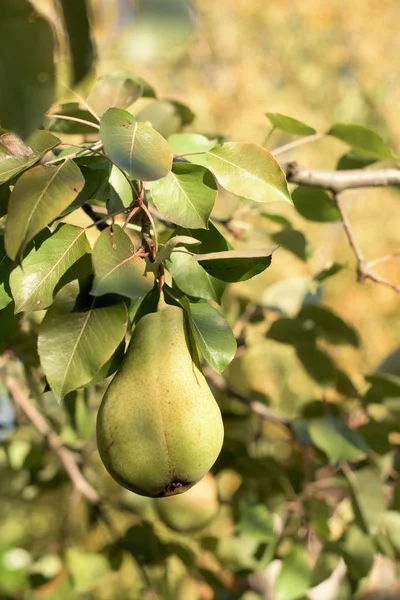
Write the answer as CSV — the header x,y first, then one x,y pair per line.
x,y
159,428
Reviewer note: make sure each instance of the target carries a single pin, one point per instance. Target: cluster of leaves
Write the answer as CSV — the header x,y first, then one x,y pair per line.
x,y
71,293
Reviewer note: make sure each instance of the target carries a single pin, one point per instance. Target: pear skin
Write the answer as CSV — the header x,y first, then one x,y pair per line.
x,y
159,428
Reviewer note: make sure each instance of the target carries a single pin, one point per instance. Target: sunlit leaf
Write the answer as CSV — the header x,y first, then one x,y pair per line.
x,y
78,336
182,143
117,269
135,147
186,195
213,335
362,139
37,145
26,67
289,125
250,171
121,193
38,197
33,283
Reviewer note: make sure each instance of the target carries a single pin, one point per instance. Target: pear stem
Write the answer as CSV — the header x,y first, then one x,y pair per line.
x,y
161,278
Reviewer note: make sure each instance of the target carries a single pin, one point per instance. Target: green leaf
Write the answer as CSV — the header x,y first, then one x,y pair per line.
x,y
354,160
26,67
86,569
33,283
135,147
330,326
186,195
315,205
235,265
121,193
73,110
294,241
117,89
358,551
256,521
5,268
368,498
38,197
80,44
37,145
117,269
289,125
213,335
188,275
336,440
181,143
250,171
362,139
317,364
278,219
77,336
166,116
291,331
385,384
328,272
295,575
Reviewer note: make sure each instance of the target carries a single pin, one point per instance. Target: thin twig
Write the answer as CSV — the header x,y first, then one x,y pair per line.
x,y
75,119
93,148
363,271
338,181
254,405
382,259
66,457
297,143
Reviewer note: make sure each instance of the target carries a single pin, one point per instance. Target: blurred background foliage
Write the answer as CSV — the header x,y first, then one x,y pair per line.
x,y
230,63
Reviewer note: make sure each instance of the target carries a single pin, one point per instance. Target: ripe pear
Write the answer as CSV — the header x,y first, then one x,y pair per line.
x,y
159,428
191,511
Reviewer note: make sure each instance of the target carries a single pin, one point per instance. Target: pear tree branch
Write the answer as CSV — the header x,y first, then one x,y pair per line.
x,y
67,458
338,181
